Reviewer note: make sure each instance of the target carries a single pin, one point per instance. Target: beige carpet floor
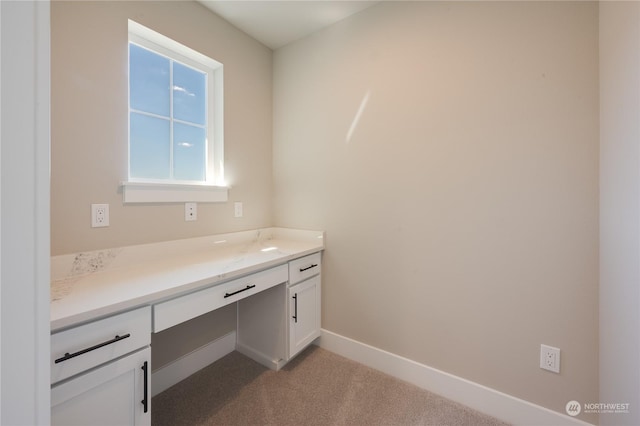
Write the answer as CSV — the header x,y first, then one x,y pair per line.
x,y
317,387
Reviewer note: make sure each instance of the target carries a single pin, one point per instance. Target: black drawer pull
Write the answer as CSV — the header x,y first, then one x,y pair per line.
x,y
295,309
92,348
249,287
145,400
308,267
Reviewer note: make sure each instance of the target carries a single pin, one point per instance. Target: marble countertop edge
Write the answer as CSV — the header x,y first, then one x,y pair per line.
x,y
108,287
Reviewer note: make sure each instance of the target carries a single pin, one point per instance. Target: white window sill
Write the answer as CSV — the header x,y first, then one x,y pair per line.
x,y
134,192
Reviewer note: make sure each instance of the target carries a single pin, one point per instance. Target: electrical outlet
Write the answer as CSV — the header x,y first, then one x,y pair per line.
x,y
99,215
237,209
550,358
190,211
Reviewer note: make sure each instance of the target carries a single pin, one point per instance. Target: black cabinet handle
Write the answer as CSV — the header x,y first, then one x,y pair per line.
x,y
92,348
295,307
308,267
146,388
249,287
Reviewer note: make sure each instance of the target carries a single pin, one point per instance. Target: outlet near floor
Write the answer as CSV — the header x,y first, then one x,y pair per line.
x,y
550,358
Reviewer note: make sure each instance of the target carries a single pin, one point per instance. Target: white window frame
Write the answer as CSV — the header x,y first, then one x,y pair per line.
x,y
213,189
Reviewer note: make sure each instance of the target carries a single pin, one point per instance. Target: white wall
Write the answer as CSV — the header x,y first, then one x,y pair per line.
x,y
450,151
620,209
24,191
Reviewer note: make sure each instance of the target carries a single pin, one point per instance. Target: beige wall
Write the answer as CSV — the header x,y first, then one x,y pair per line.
x,y
89,123
462,213
620,209
89,137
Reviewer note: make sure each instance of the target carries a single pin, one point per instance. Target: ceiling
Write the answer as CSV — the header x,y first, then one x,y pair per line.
x,y
277,23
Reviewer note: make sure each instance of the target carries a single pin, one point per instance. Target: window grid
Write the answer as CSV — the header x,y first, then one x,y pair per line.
x,y
171,119
199,179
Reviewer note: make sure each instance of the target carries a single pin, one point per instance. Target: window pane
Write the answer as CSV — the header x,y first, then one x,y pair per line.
x,y
189,154
148,81
189,94
149,147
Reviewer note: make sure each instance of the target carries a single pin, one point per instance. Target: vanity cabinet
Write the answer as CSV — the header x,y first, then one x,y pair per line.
x,y
276,324
101,334
117,393
101,372
304,302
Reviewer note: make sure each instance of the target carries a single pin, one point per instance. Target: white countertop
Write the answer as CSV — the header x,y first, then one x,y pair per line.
x,y
90,285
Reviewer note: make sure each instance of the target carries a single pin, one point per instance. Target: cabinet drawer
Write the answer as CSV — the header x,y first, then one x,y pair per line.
x,y
183,308
86,346
305,267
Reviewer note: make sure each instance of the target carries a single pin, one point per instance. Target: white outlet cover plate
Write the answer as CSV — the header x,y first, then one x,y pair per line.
x,y
237,209
99,215
550,358
190,211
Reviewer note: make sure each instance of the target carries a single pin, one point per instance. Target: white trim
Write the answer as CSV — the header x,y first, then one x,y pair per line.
x,y
214,70
167,376
42,164
140,34
133,192
478,397
260,358
0,214
25,69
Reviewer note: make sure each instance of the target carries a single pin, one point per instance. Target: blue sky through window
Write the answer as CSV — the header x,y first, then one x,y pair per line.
x,y
168,118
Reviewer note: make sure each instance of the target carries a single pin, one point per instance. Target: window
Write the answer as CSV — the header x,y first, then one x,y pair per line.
x,y
175,121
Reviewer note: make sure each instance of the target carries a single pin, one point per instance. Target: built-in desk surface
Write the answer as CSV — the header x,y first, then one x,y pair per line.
x,y
86,286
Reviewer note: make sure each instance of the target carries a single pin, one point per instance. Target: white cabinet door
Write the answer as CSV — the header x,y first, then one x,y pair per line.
x,y
114,394
304,314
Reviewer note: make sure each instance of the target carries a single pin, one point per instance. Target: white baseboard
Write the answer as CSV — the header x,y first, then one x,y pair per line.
x,y
183,367
481,398
259,357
